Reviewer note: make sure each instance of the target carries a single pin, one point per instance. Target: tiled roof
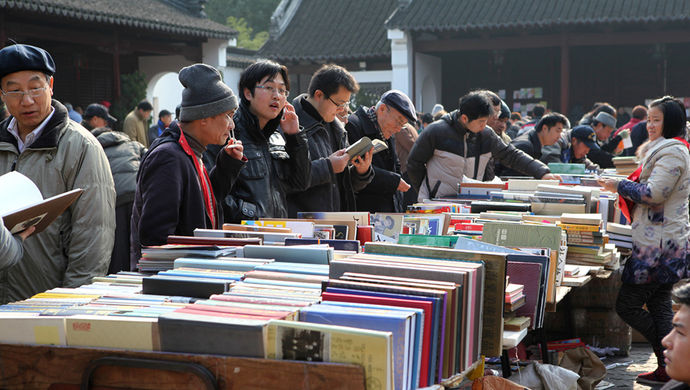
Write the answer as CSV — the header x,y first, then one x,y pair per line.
x,y
477,15
144,14
330,30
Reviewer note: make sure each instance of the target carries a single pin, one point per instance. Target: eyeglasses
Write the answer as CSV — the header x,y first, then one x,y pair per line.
x,y
343,105
398,117
281,91
19,95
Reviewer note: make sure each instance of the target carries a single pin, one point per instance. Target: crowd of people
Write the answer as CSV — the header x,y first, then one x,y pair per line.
x,y
227,157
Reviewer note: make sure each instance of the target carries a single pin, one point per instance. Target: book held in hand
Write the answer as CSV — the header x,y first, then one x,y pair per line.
x,y
363,145
22,204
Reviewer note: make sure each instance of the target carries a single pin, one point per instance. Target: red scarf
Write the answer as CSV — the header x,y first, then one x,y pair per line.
x,y
209,198
625,204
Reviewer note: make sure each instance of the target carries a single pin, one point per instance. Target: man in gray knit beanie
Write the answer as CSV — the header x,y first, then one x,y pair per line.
x,y
175,193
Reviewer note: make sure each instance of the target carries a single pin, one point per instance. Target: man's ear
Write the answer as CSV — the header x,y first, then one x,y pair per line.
x,y
381,109
248,94
51,85
318,94
464,119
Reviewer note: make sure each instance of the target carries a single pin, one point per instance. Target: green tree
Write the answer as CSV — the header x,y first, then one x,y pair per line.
x,y
256,14
132,90
246,38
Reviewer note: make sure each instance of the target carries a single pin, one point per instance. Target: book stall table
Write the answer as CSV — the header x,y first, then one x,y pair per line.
x,y
56,367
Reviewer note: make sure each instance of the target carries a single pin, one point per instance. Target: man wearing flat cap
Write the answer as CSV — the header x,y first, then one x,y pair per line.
x,y
393,110
175,194
124,157
40,141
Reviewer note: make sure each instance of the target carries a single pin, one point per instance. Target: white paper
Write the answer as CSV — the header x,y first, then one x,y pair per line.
x,y
17,192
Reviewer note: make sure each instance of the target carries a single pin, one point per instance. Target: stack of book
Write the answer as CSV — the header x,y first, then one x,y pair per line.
x,y
514,297
625,165
162,257
620,235
587,244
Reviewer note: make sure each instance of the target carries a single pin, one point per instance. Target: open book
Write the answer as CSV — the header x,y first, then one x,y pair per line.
x,y
22,205
363,145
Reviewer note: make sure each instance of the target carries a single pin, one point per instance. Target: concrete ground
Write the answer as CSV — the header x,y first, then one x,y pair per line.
x,y
623,377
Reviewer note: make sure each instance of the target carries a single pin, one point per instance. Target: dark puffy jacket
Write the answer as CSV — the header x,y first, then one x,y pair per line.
x,y
327,191
124,157
528,143
169,199
278,164
381,195
446,151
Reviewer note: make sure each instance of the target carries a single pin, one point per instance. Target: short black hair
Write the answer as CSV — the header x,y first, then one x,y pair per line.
x,y
329,78
493,98
515,116
177,111
427,118
538,111
674,115
681,294
550,120
145,105
475,105
164,113
255,72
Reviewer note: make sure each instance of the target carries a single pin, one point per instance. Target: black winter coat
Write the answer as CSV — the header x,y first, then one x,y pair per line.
x,y
528,143
169,199
327,191
277,165
381,195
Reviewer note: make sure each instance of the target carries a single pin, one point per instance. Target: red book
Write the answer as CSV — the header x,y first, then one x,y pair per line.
x,y
424,305
365,233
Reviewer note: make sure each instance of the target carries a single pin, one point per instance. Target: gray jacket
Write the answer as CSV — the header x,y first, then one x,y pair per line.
x,y
552,153
124,157
78,244
11,250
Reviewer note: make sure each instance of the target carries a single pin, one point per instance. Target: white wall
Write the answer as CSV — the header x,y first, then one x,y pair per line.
x,y
427,82
373,76
231,77
401,58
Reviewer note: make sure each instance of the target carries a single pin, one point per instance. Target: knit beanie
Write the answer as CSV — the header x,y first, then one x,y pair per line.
x,y
205,95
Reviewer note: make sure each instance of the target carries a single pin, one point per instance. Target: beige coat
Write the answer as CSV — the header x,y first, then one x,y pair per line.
x,y
77,245
136,127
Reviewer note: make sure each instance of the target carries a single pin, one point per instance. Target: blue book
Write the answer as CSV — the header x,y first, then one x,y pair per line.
x,y
227,265
438,322
399,323
416,341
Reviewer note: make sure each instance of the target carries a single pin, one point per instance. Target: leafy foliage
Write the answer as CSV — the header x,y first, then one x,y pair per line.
x,y
251,18
133,90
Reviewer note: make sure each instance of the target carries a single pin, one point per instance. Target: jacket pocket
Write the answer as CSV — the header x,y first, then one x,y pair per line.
x,y
280,160
255,168
248,210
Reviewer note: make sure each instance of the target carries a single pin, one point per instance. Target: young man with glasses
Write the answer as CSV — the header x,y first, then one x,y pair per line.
x,y
175,193
334,181
393,110
276,148
41,142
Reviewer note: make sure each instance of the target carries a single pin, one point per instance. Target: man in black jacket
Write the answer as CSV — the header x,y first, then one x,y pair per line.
x,y
175,194
333,180
546,132
382,121
276,147
461,144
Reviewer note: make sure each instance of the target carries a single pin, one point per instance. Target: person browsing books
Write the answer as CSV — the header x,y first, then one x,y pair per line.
x,y
660,228
382,121
275,145
11,250
175,194
335,175
461,143
40,141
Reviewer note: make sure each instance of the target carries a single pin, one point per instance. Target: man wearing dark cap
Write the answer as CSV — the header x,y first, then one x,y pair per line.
x,y
164,120
393,110
40,141
124,157
175,194
604,124
573,147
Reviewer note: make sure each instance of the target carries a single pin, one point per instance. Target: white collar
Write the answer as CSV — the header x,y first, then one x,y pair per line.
x,y
31,137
